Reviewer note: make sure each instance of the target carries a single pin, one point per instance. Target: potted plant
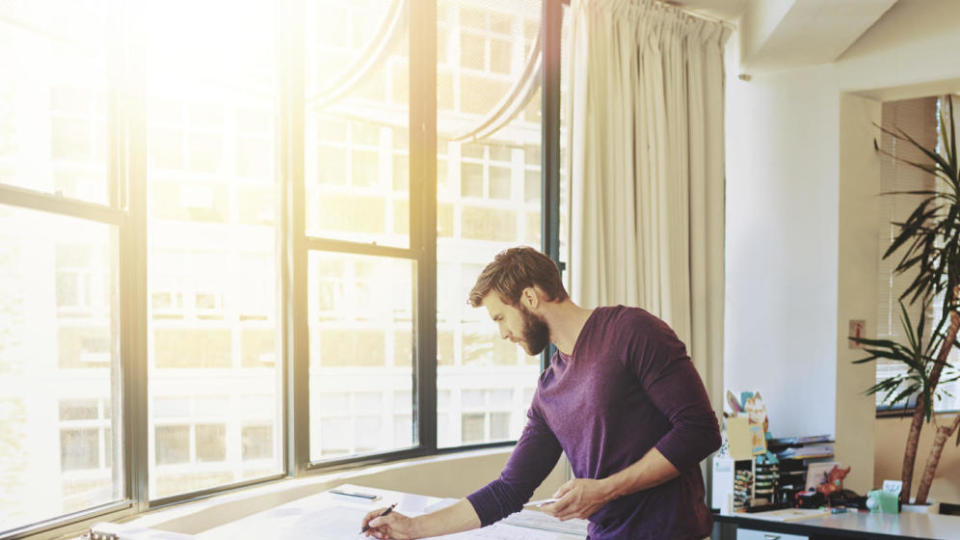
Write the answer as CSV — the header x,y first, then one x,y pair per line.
x,y
928,247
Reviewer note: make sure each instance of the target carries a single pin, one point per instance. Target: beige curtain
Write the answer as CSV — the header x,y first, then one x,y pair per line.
x,y
645,139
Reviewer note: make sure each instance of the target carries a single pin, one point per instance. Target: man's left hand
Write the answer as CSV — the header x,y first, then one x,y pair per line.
x,y
579,498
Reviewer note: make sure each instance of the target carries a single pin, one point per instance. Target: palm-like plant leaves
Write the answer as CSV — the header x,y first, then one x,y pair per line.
x,y
930,236
929,245
918,355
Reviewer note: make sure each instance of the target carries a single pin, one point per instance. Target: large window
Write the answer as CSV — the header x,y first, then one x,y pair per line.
x,y
489,198
236,241
357,180
918,117
59,361
213,331
361,350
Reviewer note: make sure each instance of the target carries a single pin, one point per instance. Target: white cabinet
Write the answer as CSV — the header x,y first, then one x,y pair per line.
x,y
749,534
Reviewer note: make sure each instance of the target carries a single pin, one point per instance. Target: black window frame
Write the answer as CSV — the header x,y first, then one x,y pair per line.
x,y
127,211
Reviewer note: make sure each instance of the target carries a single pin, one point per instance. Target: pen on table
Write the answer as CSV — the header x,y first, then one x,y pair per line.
x,y
369,497
385,512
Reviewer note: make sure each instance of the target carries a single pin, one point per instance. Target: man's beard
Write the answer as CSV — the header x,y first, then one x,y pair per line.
x,y
536,333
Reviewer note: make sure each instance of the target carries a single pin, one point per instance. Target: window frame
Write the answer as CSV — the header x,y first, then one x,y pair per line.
x,y
886,270
126,211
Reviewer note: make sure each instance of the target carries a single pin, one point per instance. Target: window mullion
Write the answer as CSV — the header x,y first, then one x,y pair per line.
x,y
130,191
294,289
423,212
550,30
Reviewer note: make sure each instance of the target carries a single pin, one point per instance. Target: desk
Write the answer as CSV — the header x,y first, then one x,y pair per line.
x,y
327,516
837,526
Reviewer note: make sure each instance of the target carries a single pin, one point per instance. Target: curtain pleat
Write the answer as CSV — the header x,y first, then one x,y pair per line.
x,y
645,110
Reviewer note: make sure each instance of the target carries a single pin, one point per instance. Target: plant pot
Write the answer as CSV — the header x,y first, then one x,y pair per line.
x,y
932,507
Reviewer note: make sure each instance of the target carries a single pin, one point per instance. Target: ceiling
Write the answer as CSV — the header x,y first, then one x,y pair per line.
x,y
779,34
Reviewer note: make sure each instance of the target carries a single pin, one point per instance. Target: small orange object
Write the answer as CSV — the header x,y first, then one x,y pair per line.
x,y
834,481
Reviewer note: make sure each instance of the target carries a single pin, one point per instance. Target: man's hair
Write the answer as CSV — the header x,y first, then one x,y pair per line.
x,y
515,269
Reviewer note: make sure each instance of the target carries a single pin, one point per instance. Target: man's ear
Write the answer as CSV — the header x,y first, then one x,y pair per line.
x,y
530,298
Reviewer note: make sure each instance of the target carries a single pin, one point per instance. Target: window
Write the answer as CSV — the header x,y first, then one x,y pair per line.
x,y
182,228
62,148
493,197
361,345
58,358
357,148
213,333
257,442
919,118
195,436
492,414
361,305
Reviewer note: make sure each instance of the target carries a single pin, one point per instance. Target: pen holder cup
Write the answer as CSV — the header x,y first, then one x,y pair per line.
x,y
883,502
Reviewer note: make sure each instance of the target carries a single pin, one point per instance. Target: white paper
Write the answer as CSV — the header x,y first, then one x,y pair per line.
x,y
439,505
545,522
327,523
791,514
502,531
134,532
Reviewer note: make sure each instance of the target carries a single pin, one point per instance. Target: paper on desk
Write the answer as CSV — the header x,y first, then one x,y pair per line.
x,y
439,505
545,522
330,523
790,514
136,532
502,531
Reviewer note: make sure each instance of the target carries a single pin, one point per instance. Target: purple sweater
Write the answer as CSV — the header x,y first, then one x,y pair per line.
x,y
627,387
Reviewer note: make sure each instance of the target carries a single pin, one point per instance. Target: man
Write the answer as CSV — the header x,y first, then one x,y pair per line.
x,y
621,398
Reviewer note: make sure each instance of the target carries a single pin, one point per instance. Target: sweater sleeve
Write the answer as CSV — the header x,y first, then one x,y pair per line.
x,y
533,458
674,387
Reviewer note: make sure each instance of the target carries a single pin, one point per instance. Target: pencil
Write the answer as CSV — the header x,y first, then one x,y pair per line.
x,y
385,512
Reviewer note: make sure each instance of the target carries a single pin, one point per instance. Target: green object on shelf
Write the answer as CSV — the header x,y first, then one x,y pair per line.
x,y
883,502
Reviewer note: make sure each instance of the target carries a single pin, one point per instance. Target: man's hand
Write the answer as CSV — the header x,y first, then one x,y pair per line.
x,y
579,498
394,525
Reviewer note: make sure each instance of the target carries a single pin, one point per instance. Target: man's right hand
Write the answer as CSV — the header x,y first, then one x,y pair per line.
x,y
393,526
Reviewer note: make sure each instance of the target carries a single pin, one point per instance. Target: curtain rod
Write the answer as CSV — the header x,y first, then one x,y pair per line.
x,y
687,11
697,14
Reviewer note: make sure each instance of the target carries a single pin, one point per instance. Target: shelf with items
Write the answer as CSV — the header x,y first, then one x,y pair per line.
x,y
796,455
766,486
741,484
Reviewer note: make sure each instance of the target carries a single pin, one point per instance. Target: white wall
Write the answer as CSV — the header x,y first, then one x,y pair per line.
x,y
784,175
781,245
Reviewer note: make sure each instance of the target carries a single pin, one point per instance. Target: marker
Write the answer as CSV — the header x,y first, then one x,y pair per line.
x,y
385,512
357,494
